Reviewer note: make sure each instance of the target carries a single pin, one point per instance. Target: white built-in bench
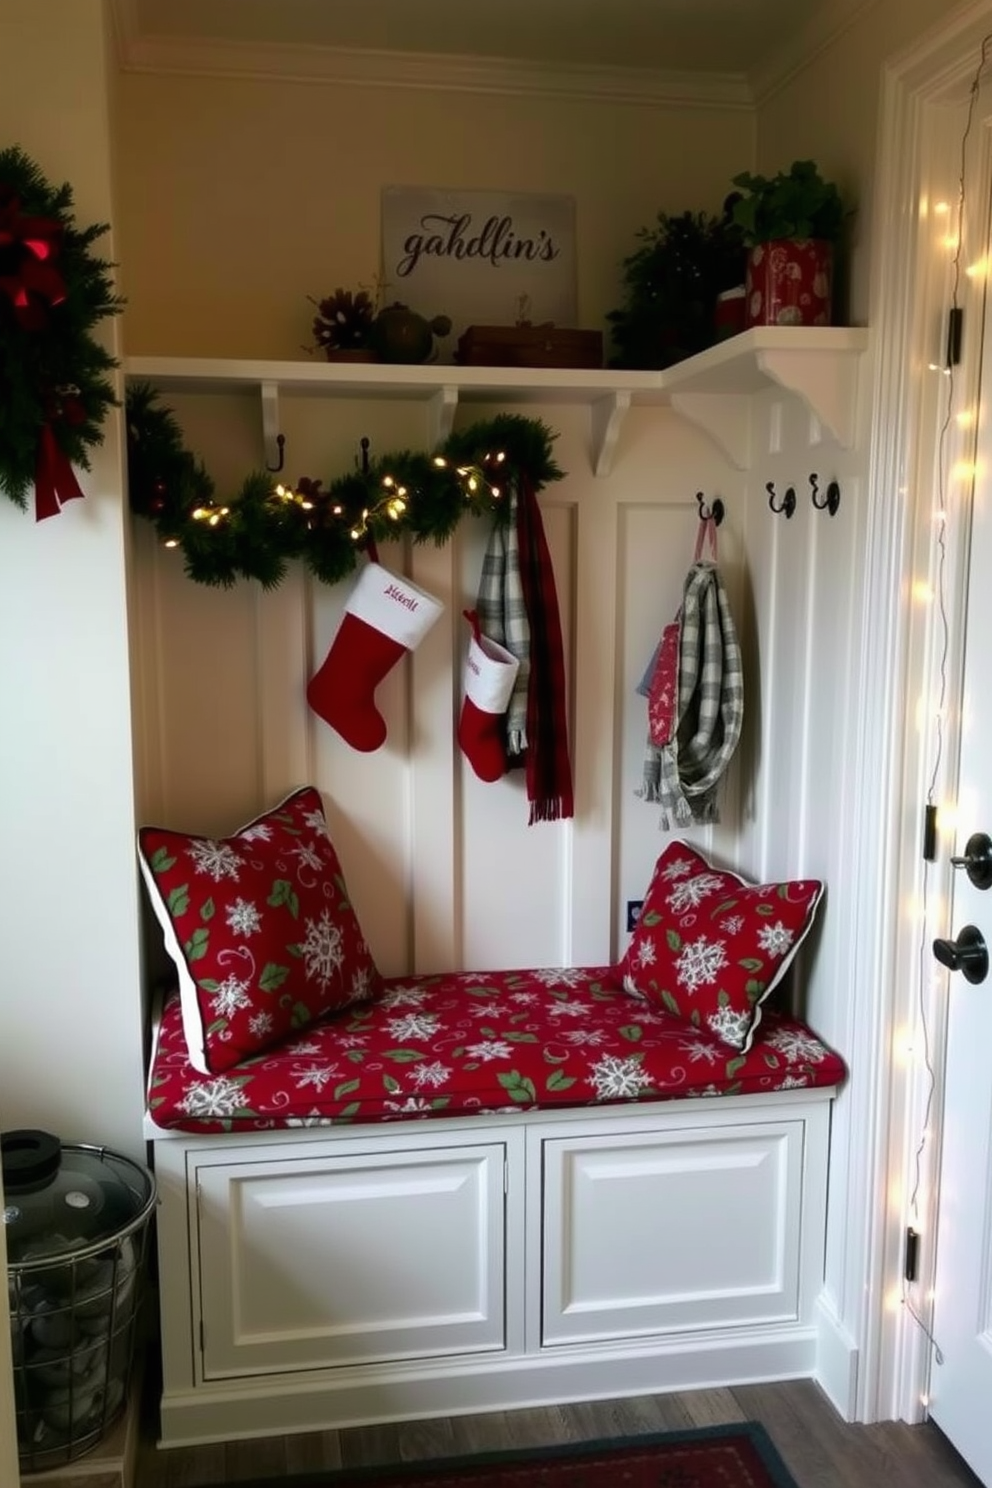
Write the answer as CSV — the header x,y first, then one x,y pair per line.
x,y
586,1198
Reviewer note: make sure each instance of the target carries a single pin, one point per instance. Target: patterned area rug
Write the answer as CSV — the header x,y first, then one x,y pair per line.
x,y
739,1456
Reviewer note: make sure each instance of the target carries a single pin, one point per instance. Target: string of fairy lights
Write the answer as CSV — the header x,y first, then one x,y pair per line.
x,y
393,503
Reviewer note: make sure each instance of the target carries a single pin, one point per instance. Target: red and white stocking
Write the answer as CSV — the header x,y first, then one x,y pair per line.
x,y
488,677
385,617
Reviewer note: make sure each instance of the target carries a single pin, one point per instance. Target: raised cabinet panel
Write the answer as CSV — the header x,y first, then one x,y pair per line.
x,y
315,1260
659,1233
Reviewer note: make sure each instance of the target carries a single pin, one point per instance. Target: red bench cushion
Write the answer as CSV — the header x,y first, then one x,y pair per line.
x,y
475,1043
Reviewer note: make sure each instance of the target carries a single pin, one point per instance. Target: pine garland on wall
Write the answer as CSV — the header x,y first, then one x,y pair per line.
x,y
263,526
55,390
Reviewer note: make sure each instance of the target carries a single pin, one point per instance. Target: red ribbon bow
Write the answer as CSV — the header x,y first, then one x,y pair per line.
x,y
55,480
28,249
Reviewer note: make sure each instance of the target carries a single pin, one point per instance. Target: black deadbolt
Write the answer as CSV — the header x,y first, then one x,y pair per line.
x,y
968,954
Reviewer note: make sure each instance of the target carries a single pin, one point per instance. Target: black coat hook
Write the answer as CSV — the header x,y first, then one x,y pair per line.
x,y
830,501
714,513
787,505
281,447
365,442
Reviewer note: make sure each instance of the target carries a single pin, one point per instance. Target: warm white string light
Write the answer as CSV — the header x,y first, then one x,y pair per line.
x,y
392,505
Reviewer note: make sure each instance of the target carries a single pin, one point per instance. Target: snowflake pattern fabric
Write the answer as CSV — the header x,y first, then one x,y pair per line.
x,y
475,1044
710,948
261,931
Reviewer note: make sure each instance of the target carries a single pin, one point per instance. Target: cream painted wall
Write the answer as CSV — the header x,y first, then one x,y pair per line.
x,y
827,111
70,1016
239,198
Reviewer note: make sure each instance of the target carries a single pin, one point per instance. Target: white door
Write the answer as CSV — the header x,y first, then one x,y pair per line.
x,y
961,1375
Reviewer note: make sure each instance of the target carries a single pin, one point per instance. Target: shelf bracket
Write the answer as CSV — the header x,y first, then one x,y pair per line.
x,y
825,380
270,425
607,416
724,417
441,415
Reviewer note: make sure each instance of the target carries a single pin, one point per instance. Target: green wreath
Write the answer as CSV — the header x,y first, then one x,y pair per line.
x,y
257,532
54,387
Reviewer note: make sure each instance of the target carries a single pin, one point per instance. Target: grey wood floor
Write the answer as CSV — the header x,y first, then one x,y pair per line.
x,y
820,1449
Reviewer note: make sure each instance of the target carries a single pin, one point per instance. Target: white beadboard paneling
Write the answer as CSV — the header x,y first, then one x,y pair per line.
x,y
517,876
284,667
443,868
435,891
207,667
656,525
807,575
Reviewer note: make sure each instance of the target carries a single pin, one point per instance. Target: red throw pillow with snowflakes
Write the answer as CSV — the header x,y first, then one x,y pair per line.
x,y
711,947
260,928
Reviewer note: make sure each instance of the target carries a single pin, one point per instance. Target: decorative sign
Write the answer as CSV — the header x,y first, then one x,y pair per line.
x,y
479,257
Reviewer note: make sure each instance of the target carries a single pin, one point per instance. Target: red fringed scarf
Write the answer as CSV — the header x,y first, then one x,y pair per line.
x,y
549,772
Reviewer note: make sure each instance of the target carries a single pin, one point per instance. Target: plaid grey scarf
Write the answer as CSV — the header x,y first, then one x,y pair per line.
x,y
503,617
683,773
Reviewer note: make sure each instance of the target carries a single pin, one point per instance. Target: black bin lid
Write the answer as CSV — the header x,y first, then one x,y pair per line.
x,y
62,1199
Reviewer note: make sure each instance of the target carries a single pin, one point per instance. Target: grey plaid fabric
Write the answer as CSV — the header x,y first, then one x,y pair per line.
x,y
503,618
683,774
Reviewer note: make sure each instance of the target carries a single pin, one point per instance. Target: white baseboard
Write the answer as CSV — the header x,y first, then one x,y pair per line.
x,y
836,1359
267,1405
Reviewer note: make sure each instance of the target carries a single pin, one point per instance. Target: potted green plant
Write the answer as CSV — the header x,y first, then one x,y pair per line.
x,y
791,224
671,283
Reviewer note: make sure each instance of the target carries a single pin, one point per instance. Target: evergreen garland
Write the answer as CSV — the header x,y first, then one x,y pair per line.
x,y
259,530
53,292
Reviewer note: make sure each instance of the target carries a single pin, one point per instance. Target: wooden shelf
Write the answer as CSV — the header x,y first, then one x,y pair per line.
x,y
819,365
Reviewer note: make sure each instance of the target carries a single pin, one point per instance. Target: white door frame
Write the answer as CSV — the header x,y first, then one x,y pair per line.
x,y
897,665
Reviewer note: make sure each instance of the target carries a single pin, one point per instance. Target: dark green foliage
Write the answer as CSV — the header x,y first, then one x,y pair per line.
x,y
671,282
55,359
260,532
797,203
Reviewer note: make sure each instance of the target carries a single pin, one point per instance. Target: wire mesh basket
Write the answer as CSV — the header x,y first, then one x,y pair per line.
x,y
77,1249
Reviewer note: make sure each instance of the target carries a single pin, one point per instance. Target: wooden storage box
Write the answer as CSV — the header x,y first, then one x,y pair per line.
x,y
529,346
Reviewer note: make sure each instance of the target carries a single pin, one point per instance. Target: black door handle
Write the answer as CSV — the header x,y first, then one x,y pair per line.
x,y
968,954
977,860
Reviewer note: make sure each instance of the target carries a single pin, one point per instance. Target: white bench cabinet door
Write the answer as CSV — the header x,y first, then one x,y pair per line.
x,y
649,1233
317,1260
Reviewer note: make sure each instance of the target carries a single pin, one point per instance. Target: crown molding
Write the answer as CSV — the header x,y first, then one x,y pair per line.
x,y
342,67
820,33
123,28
